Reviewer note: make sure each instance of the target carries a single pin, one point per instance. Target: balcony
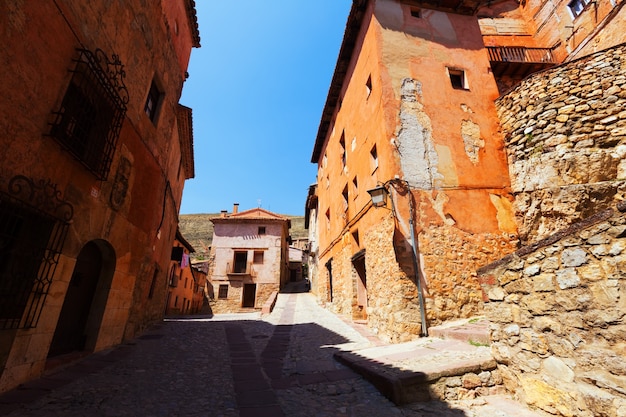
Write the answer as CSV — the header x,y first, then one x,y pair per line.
x,y
518,62
240,270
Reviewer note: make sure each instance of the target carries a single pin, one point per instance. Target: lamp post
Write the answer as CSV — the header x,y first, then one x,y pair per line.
x,y
379,199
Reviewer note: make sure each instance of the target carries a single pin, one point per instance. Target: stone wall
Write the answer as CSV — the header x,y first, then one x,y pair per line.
x,y
450,257
558,314
393,308
565,132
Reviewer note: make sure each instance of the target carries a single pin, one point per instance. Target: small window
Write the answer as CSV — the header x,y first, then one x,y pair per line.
x,y
355,236
153,102
344,194
261,230
223,291
355,186
342,144
368,86
328,219
374,158
576,7
258,256
416,13
325,161
176,302
458,79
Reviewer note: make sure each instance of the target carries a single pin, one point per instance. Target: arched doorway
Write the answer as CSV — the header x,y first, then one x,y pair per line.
x,y
85,300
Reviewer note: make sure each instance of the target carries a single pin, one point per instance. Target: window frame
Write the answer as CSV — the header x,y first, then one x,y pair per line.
x,y
90,117
154,101
577,11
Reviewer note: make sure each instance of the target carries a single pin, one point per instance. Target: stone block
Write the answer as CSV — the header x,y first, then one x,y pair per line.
x,y
557,369
567,278
548,398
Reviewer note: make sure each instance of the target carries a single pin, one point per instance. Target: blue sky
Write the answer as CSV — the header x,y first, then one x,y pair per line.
x,y
257,87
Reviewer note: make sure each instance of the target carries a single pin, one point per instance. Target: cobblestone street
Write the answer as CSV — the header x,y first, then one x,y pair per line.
x,y
227,366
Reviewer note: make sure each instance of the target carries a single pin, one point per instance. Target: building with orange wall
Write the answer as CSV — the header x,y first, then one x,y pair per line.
x,y
410,110
95,153
249,258
186,284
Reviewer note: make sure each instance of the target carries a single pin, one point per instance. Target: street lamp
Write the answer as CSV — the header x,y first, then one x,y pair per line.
x,y
379,199
378,196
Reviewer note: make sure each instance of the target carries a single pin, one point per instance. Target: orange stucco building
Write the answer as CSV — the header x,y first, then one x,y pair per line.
x,y
411,110
185,294
410,107
95,153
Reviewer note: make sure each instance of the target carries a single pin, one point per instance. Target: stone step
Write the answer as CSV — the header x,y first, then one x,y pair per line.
x,y
472,330
427,369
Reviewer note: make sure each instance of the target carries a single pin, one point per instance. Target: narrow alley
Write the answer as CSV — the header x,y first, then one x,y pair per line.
x,y
231,365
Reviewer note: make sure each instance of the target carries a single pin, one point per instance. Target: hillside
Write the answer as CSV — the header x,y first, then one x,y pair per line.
x,y
198,230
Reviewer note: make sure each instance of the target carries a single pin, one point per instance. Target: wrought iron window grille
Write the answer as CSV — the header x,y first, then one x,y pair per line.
x,y
89,122
34,221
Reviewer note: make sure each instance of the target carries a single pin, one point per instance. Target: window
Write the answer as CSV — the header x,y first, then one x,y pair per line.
x,y
368,86
458,79
576,7
186,279
261,230
30,245
223,291
342,144
240,262
355,186
89,121
327,219
374,158
153,102
355,236
173,282
258,257
344,194
416,13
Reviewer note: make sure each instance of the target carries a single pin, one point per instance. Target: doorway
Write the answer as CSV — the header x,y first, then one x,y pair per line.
x,y
249,295
85,300
360,284
241,262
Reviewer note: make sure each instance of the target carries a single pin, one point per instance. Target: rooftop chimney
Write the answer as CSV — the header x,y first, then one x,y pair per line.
x,y
223,213
235,208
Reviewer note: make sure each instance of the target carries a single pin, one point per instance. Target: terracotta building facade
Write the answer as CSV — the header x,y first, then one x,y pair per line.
x,y
410,109
249,258
186,284
95,153
548,154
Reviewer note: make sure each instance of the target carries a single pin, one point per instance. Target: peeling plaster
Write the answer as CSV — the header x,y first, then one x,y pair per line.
x,y
418,157
438,204
470,132
504,213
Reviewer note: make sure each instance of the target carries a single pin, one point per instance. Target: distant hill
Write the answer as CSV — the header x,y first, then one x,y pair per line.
x,y
197,229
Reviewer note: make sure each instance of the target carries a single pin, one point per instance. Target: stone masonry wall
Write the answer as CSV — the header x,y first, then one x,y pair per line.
x,y
450,258
393,306
565,132
558,314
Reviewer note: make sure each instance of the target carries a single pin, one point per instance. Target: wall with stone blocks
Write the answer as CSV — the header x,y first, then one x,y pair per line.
x,y
558,314
565,133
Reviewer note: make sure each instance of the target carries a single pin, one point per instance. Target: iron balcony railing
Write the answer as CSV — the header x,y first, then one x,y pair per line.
x,y
520,54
